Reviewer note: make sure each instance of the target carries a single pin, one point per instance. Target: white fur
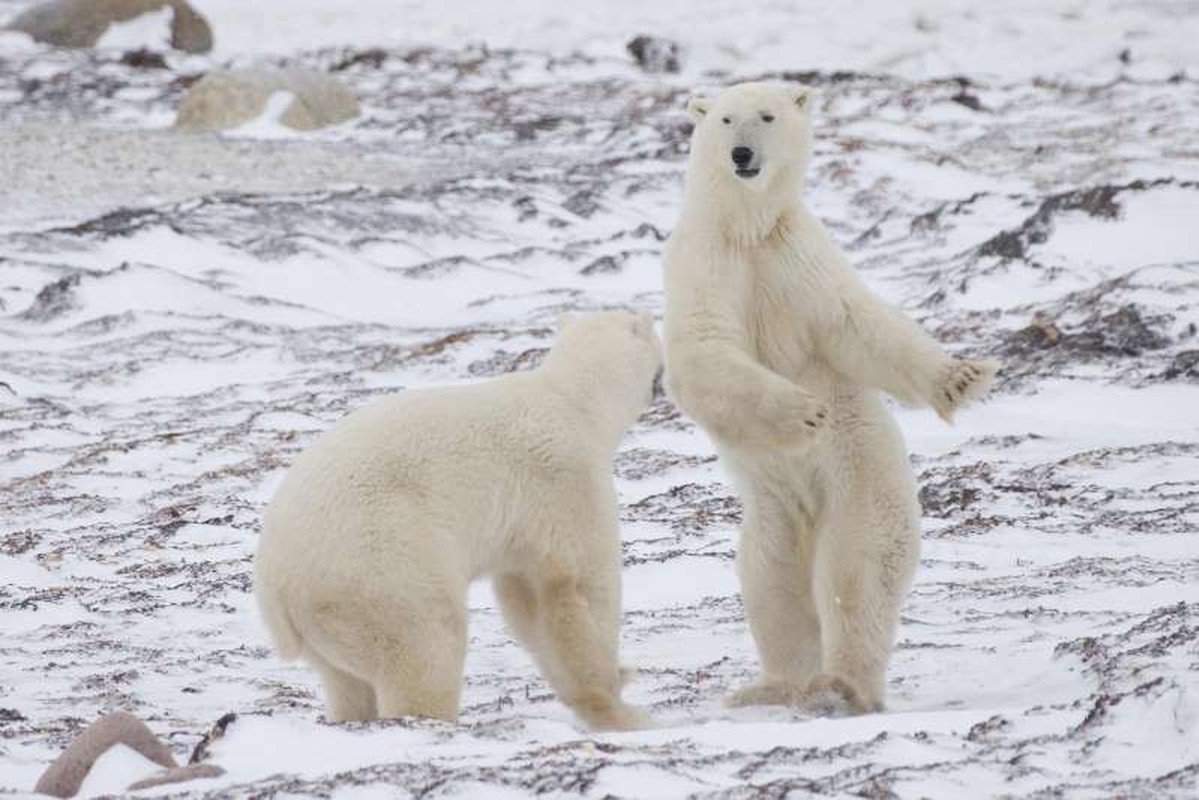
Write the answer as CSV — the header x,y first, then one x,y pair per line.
x,y
777,348
372,540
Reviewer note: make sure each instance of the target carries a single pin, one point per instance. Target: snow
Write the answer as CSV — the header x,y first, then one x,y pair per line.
x,y
116,769
152,30
162,365
920,39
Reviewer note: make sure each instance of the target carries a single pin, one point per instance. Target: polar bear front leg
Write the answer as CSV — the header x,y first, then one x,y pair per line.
x,y
585,675
741,402
517,597
518,605
876,344
774,567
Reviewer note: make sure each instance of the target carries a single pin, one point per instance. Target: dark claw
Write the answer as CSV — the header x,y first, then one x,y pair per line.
x,y
809,423
948,396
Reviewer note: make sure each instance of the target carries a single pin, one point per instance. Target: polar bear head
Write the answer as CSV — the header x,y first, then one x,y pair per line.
x,y
752,136
611,357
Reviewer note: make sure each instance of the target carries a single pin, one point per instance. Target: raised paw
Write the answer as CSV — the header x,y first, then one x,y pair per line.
x,y
961,382
797,416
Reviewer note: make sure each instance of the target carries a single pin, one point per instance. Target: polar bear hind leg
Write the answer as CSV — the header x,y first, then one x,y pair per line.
x,y
865,559
409,649
774,567
348,698
422,664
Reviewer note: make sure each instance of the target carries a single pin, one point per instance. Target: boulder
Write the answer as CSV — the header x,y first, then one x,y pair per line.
x,y
229,98
81,23
655,54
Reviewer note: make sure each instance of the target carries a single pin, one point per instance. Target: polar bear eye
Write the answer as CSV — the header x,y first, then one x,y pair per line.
x,y
727,120
767,117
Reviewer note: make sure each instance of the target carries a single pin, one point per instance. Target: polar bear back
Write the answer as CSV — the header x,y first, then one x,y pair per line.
x,y
452,460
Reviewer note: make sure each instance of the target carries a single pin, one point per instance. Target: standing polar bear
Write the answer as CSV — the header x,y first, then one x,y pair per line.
x,y
776,347
369,545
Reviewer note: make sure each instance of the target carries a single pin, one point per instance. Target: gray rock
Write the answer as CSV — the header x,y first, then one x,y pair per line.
x,y
655,54
228,98
81,23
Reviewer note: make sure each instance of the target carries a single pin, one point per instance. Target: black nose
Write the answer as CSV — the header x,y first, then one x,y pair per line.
x,y
742,156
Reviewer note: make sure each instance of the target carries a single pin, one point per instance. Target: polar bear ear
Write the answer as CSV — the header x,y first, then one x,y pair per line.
x,y
802,97
697,107
643,325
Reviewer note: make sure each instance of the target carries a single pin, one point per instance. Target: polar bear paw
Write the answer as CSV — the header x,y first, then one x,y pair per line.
x,y
763,693
795,416
822,696
830,696
612,715
962,381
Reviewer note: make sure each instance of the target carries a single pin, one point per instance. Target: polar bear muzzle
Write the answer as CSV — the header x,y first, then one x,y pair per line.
x,y
745,161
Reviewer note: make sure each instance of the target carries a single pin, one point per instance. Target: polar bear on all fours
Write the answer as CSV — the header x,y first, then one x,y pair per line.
x,y
781,353
370,543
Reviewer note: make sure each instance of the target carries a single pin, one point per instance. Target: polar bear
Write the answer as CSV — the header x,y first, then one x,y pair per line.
x,y
372,539
780,352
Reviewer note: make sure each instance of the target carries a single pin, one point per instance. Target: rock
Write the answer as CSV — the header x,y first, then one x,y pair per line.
x,y
372,57
215,733
143,58
1184,365
81,23
53,299
1042,333
229,98
1095,201
604,265
654,54
1125,332
64,777
968,100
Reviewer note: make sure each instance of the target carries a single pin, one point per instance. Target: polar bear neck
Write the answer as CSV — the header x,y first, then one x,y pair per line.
x,y
594,392
716,200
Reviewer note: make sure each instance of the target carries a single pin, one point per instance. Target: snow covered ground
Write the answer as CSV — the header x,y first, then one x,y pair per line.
x,y
180,314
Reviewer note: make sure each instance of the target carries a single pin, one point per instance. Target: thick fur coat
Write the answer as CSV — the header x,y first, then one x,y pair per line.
x,y
780,351
378,529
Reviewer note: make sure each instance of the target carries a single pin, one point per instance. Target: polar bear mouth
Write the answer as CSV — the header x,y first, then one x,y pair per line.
x,y
748,172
